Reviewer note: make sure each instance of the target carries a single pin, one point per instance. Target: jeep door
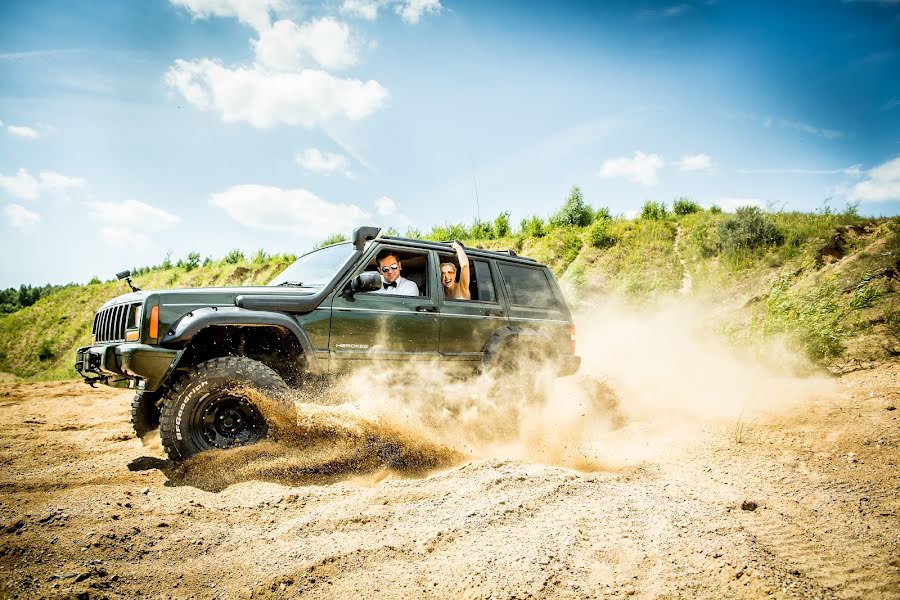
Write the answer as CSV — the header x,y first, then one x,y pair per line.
x,y
386,327
466,325
536,303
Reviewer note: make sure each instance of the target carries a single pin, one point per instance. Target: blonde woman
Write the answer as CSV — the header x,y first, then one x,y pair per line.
x,y
453,289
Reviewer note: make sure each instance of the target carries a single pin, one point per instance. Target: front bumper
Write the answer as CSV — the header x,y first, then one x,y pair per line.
x,y
125,365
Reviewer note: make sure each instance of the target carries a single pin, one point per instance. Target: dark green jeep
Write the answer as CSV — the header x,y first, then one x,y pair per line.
x,y
193,354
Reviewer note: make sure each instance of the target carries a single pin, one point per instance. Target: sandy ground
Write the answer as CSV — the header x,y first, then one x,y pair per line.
x,y
791,503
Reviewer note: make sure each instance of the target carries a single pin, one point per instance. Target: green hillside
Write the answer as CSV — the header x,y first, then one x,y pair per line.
x,y
827,284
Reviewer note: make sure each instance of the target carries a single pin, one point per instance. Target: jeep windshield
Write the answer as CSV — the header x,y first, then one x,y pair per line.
x,y
316,268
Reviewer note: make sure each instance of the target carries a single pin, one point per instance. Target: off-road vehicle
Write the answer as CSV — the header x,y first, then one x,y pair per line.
x,y
195,356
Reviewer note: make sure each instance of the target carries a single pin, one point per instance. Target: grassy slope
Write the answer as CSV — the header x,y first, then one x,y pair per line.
x,y
831,290
62,321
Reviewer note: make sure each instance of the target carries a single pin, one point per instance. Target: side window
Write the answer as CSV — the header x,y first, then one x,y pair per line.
x,y
413,266
528,286
483,283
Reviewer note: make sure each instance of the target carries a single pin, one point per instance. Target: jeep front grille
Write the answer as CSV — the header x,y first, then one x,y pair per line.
x,y
110,323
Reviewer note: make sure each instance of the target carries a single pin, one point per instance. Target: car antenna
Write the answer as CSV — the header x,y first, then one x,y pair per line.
x,y
126,275
475,182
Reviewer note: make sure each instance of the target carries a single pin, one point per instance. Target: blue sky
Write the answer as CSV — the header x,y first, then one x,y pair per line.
x,y
135,129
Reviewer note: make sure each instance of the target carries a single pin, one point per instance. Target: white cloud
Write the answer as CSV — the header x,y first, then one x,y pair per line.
x,y
851,171
130,214
126,223
55,182
640,169
21,218
411,11
385,206
263,99
828,134
730,204
22,131
695,162
21,185
296,211
882,184
284,46
665,13
313,159
27,187
252,12
364,9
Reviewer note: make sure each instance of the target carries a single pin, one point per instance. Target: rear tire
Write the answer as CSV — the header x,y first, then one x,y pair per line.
x,y
518,368
212,406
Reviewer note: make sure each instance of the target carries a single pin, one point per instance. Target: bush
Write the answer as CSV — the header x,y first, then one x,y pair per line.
x,y
599,235
574,212
480,230
534,227
45,351
602,214
260,257
192,261
749,228
233,257
715,209
653,211
501,225
685,206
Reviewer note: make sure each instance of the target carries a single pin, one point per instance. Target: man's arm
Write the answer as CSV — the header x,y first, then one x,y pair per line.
x,y
463,269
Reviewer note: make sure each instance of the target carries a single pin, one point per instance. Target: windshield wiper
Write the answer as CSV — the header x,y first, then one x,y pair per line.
x,y
293,283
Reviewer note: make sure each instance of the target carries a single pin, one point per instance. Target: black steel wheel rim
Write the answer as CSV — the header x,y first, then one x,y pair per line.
x,y
227,421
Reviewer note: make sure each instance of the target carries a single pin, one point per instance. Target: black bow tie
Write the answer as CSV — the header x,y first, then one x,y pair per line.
x,y
388,284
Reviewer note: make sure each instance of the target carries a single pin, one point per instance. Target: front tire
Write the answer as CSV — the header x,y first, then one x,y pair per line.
x,y
144,412
214,405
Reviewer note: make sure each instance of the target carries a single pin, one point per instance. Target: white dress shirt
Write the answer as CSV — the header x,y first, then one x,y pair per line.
x,y
405,287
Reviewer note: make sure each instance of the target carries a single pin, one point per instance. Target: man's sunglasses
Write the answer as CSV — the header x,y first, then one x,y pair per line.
x,y
393,267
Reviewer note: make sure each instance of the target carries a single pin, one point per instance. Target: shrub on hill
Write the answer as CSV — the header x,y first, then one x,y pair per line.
x,y
685,206
574,212
653,211
749,228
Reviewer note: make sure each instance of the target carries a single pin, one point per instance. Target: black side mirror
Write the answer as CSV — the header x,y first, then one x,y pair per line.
x,y
367,281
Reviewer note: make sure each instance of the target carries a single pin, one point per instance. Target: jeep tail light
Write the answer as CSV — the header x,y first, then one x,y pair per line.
x,y
572,337
154,323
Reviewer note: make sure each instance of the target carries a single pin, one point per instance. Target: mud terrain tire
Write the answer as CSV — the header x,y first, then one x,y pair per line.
x,y
211,406
144,413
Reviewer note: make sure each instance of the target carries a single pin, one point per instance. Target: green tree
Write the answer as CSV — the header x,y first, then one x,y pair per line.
x,y
501,225
574,212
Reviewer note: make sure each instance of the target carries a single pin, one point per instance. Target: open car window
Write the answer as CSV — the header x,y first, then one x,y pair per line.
x,y
414,266
481,283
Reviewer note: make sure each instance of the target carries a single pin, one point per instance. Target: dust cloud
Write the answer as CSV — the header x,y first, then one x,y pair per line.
x,y
650,380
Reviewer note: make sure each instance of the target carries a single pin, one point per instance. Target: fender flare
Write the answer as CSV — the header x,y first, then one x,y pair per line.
x,y
189,325
504,336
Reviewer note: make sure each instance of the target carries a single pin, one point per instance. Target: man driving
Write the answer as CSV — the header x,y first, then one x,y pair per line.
x,y
391,281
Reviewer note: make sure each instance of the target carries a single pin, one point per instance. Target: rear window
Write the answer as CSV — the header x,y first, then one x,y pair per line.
x,y
528,287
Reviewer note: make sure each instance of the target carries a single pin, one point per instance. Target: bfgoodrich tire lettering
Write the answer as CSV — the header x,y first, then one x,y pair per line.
x,y
209,407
